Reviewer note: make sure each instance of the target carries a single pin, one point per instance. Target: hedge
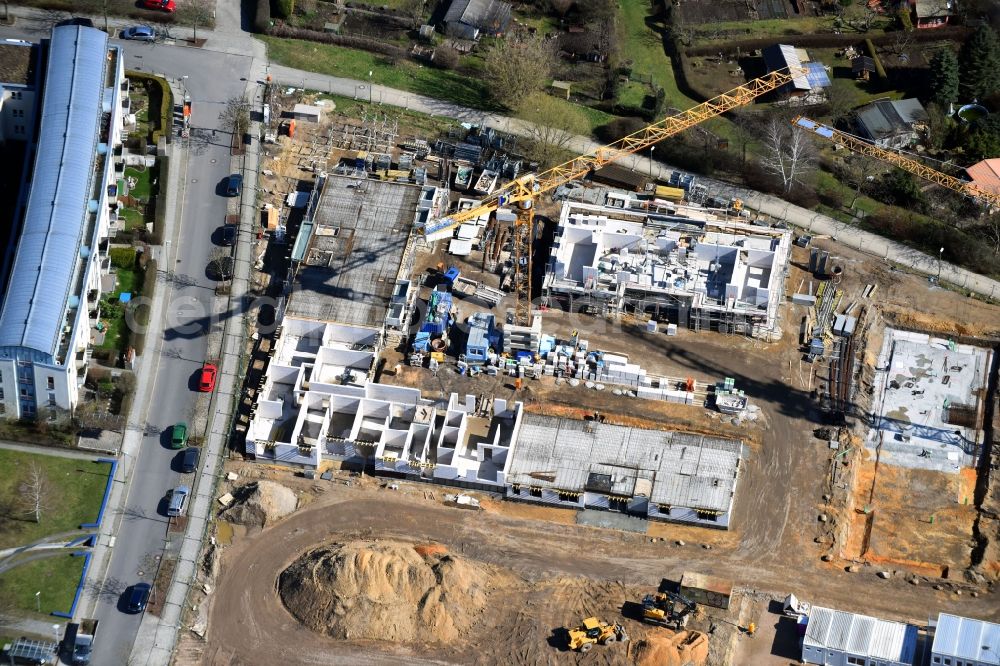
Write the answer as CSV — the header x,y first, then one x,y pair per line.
x,y
363,43
166,105
879,69
284,8
262,19
137,340
820,40
160,216
122,257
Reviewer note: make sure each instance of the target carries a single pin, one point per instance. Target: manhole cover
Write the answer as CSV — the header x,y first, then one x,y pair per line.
x,y
214,161
194,180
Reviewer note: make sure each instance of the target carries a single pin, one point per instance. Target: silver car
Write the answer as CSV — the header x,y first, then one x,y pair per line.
x,y
139,33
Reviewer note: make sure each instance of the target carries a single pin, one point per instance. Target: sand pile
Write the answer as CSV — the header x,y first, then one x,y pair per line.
x,y
666,648
260,503
386,591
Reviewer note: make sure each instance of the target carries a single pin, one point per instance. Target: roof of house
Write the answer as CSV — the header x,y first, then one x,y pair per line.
x,y
55,218
783,56
966,638
862,64
686,470
352,251
489,15
934,8
890,117
855,634
17,62
986,174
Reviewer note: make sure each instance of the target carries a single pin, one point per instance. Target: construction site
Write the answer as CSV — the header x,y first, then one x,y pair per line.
x,y
507,424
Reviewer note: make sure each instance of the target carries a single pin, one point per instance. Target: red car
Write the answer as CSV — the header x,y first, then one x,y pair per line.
x,y
206,381
168,6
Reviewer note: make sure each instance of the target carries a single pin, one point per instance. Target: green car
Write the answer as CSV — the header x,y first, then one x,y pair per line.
x,y
179,436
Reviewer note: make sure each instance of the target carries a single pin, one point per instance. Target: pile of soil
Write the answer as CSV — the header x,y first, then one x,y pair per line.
x,y
666,648
387,591
260,503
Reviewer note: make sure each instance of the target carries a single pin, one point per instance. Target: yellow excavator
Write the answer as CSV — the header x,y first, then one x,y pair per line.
x,y
594,631
667,609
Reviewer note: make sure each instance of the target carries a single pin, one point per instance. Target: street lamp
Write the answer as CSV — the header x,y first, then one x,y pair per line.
x,y
370,72
940,257
652,161
38,601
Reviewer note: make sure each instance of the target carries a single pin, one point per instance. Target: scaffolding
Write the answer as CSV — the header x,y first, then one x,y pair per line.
x,y
374,133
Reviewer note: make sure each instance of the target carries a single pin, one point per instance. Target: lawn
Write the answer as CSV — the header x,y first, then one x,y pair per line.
x,y
402,75
113,312
76,488
55,577
141,189
644,47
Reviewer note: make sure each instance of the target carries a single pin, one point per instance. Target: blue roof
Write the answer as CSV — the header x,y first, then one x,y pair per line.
x,y
816,75
55,219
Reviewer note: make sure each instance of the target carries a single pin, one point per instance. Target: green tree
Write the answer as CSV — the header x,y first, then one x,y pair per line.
x,y
980,60
899,188
982,139
944,78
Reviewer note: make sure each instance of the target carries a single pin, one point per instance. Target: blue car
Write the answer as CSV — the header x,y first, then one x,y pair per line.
x,y
139,33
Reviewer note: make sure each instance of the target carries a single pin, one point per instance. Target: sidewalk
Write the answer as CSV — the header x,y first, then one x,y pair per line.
x,y
157,637
49,451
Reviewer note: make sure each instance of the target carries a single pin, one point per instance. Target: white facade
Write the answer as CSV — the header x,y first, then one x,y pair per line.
x,y
33,378
690,268
839,638
317,404
963,641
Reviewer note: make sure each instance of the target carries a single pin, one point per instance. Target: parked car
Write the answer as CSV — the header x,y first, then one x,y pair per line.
x,y
206,381
168,6
179,435
177,500
234,184
136,597
229,234
189,459
139,33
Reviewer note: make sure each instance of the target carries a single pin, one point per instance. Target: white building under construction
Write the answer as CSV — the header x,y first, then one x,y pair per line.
x,y
685,266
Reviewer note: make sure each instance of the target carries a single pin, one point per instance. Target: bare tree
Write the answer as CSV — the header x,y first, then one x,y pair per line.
x,y
859,170
517,67
551,126
867,19
195,13
789,153
991,227
34,492
235,117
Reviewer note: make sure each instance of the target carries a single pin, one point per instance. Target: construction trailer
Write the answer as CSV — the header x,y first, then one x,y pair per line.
x,y
839,638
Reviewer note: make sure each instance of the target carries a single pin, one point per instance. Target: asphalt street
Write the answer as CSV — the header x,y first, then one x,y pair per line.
x,y
210,79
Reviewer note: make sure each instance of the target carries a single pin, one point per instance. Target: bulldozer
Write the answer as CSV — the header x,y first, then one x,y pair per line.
x,y
667,609
594,631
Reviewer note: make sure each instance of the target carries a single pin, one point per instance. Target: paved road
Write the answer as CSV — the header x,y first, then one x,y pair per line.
x,y
211,79
177,346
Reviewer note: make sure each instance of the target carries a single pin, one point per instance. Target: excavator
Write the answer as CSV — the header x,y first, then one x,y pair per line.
x,y
667,609
593,631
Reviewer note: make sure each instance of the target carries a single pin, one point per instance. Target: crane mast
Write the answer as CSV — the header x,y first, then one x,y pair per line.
x,y
862,147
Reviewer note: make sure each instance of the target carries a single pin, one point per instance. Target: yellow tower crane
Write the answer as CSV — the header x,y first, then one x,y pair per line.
x,y
862,147
522,191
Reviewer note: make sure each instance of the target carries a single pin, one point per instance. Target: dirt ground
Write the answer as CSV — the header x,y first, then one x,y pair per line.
x,y
917,519
565,573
